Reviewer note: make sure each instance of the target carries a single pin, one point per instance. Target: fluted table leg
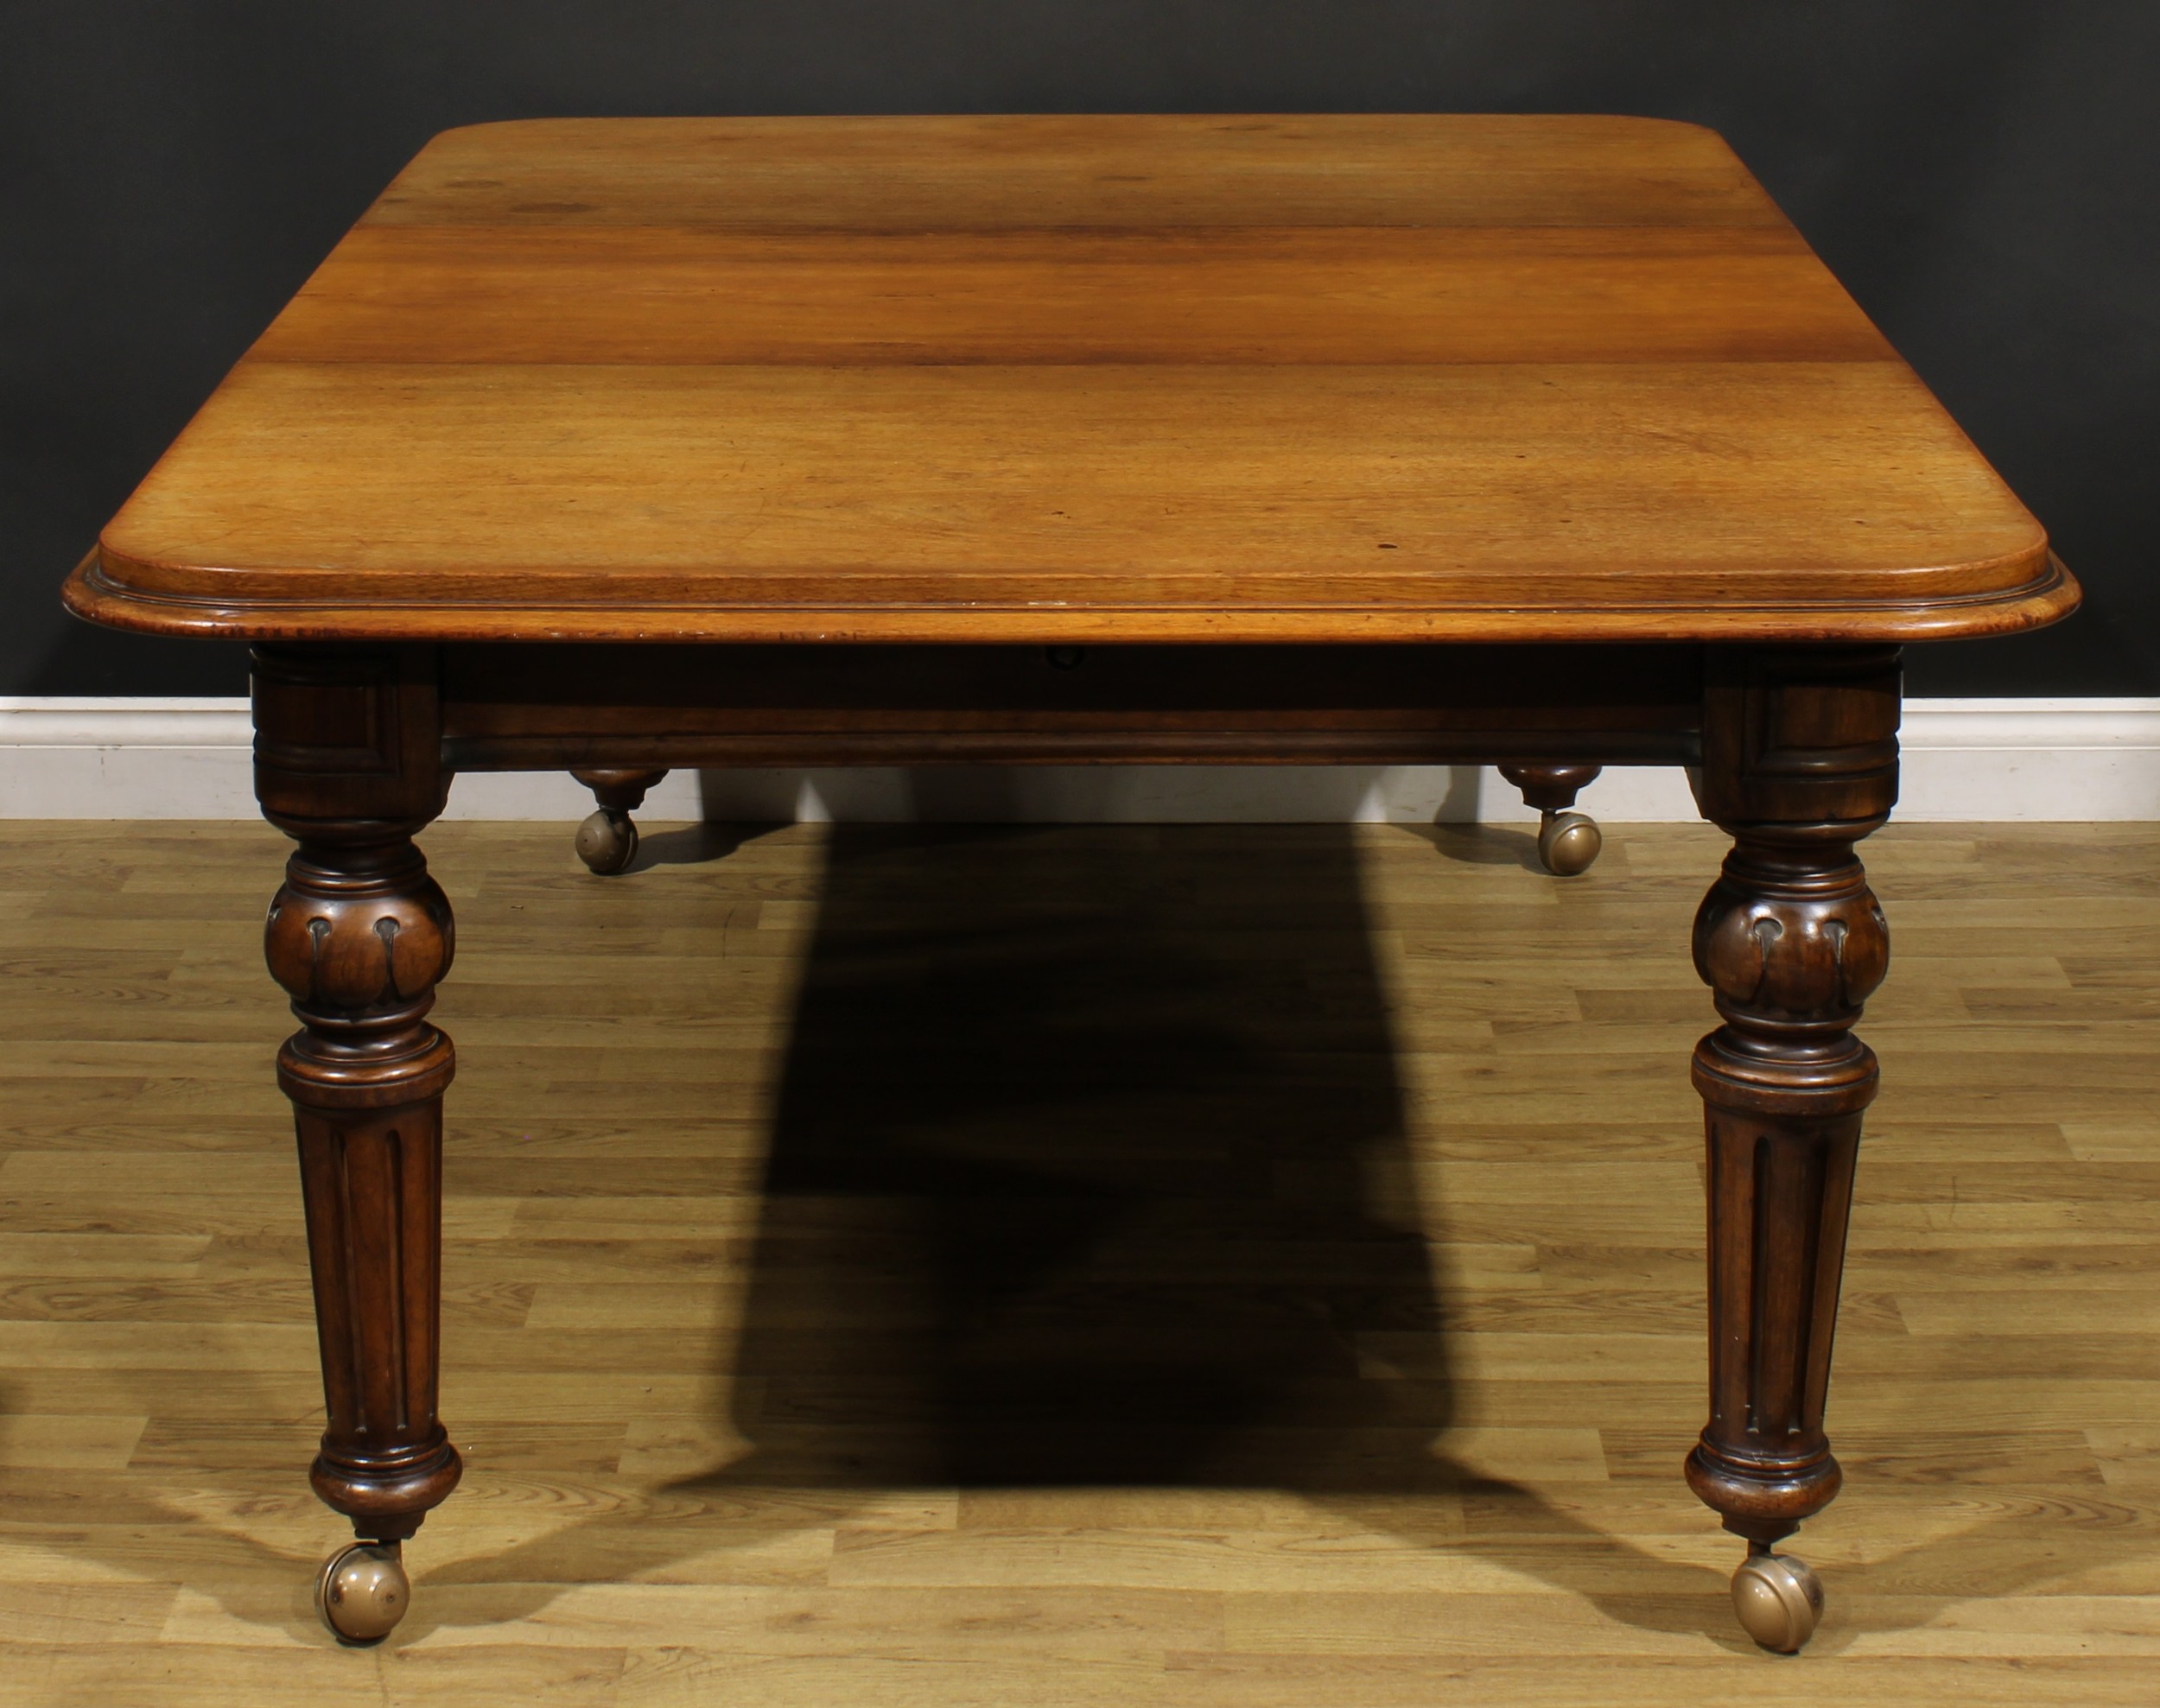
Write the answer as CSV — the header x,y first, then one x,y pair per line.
x,y
358,937
1800,765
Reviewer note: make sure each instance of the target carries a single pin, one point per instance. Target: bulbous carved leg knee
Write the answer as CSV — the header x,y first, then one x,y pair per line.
x,y
1568,841
358,937
1792,942
608,840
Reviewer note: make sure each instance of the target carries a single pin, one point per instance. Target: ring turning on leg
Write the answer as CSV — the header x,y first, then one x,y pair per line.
x,y
608,840
1568,841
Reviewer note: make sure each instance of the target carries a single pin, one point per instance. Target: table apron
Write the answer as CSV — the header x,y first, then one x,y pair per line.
x,y
542,707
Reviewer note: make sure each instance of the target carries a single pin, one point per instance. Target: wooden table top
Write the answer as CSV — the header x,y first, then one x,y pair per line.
x,y
1035,379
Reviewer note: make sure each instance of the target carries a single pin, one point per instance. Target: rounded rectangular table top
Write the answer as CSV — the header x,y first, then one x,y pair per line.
x,y
1028,379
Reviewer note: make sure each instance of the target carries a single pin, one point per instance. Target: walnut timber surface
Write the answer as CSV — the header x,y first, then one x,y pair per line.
x,y
1025,380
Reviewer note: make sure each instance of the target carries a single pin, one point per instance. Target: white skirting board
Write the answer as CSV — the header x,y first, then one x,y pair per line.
x,y
1964,759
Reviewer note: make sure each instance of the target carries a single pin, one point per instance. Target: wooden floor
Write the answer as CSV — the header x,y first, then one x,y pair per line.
x,y
1202,1265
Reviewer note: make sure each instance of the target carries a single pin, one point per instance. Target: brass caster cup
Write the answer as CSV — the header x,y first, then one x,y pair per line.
x,y
1568,843
363,1592
607,841
1779,1601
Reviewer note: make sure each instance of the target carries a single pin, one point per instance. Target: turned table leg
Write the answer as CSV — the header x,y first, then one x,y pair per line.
x,y
1800,765
608,840
1568,841
359,935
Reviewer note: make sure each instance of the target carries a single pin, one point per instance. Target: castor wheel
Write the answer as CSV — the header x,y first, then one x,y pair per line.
x,y
607,841
363,1592
1779,1600
1568,843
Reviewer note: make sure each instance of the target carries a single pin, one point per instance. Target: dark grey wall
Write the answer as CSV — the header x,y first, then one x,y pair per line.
x,y
1982,172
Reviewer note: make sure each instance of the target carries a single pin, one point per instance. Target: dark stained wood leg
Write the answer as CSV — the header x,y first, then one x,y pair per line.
x,y
359,935
1568,841
1800,765
608,840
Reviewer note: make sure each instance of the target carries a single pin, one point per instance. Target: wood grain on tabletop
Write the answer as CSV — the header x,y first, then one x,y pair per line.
x,y
812,1337
1021,379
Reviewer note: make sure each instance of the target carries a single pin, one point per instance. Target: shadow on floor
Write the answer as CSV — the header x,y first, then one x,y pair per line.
x,y
689,845
1484,845
1089,1167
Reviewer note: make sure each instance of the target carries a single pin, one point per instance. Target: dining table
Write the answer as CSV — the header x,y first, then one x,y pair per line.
x,y
619,445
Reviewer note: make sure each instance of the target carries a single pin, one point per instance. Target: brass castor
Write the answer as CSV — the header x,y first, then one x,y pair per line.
x,y
1568,843
1779,1600
1567,840
363,1592
608,840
